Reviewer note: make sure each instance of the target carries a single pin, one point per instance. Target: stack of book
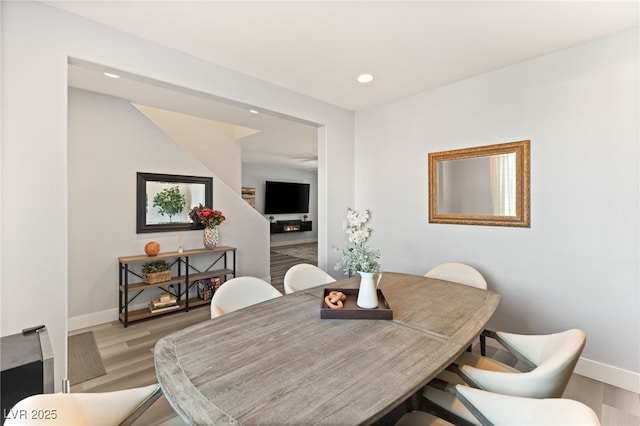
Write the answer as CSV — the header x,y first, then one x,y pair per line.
x,y
216,282
249,195
207,287
165,303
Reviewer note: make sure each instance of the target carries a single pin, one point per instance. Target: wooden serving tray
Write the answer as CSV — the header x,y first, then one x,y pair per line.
x,y
351,309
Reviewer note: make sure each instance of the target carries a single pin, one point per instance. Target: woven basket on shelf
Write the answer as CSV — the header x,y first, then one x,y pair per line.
x,y
156,277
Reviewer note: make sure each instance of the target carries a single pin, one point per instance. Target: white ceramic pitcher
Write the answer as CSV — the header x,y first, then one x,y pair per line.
x,y
368,293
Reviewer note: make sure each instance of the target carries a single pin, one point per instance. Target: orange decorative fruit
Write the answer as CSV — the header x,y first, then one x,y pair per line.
x,y
152,248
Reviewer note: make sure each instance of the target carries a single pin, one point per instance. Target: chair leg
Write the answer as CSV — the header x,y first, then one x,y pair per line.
x,y
139,411
435,410
414,402
483,340
409,404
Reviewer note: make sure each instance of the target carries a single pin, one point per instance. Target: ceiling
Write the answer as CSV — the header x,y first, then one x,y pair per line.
x,y
265,139
317,48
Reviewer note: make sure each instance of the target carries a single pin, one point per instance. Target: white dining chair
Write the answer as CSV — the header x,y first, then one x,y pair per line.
x,y
458,273
240,292
463,274
549,358
303,276
493,409
79,409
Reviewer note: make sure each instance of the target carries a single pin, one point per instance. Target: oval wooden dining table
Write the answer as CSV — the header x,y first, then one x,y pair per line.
x,y
279,363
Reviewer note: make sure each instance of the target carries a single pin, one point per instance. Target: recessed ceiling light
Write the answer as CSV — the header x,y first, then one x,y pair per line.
x,y
112,75
253,111
365,78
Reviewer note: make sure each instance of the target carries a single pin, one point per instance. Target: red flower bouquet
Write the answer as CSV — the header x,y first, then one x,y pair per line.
x,y
206,216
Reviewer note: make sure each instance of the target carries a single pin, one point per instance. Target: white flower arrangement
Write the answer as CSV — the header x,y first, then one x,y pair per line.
x,y
358,257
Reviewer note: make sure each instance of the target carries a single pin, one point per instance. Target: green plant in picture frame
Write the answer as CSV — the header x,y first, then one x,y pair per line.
x,y
169,201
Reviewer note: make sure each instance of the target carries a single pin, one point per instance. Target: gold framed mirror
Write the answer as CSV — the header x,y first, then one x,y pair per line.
x,y
485,185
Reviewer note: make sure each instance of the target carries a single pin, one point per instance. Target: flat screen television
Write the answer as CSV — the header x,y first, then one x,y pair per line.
x,y
286,197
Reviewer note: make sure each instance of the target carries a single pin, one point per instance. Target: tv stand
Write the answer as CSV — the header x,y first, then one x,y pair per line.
x,y
283,226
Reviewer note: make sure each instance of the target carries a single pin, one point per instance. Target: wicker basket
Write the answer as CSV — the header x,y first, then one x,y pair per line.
x,y
157,277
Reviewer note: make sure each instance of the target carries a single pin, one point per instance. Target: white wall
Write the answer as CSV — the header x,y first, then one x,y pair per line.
x,y
211,142
37,41
577,266
255,176
109,140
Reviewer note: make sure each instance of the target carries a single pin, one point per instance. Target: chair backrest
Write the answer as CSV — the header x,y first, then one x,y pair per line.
x,y
555,356
458,273
303,276
78,409
240,292
506,410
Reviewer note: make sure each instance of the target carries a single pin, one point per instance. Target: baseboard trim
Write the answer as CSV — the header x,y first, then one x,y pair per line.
x,y
599,371
609,374
97,318
90,320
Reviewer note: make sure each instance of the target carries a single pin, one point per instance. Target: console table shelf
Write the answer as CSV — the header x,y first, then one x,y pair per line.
x,y
178,286
140,314
178,280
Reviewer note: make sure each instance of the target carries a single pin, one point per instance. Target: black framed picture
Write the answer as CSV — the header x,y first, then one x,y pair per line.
x,y
163,201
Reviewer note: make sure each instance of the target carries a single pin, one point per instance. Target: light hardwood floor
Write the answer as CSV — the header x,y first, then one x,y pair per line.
x,y
127,354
